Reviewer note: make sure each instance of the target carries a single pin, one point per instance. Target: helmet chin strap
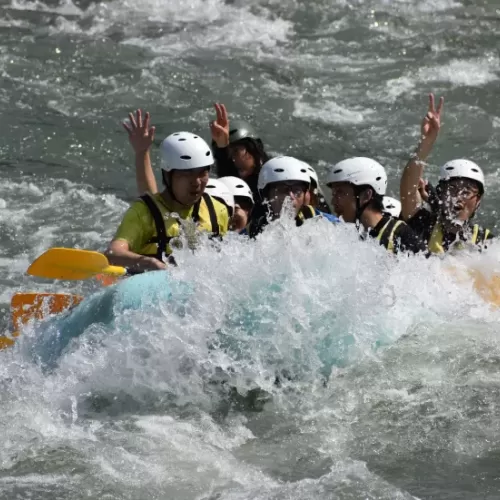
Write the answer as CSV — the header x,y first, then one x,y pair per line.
x,y
359,210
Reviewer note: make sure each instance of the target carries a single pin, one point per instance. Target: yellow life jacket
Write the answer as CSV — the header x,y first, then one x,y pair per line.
x,y
386,234
168,228
254,227
306,212
436,239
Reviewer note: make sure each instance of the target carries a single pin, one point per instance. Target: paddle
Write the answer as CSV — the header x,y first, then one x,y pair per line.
x,y
32,305
72,264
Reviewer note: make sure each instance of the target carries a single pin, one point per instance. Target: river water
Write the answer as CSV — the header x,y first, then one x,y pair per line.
x,y
410,408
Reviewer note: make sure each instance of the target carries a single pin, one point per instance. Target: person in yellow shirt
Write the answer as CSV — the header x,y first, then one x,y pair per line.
x,y
143,239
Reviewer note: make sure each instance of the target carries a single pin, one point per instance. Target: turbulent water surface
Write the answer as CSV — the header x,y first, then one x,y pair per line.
x,y
388,370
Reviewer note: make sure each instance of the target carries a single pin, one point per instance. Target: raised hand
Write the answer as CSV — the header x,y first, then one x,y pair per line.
x,y
422,189
220,127
412,186
432,120
140,134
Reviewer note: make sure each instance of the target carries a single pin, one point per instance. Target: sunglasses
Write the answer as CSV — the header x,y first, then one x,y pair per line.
x,y
297,189
461,191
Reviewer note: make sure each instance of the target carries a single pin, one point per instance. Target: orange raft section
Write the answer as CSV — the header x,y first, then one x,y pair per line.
x,y
29,306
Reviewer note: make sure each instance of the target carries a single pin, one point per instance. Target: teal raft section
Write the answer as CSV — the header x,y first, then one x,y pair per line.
x,y
139,292
259,330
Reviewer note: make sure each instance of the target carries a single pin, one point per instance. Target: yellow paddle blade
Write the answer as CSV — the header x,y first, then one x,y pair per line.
x,y
32,305
72,264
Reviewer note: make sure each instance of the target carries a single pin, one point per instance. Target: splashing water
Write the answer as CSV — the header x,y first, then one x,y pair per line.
x,y
179,373
305,365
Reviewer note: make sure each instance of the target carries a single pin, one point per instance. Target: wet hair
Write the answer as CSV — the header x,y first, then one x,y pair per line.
x,y
256,148
244,203
377,201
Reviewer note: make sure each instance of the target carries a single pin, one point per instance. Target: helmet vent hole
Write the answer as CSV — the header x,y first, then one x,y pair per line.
x,y
185,157
474,169
182,139
177,133
337,171
378,178
195,137
207,153
278,170
450,168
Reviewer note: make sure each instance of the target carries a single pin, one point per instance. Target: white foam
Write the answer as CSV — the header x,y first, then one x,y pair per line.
x,y
458,72
471,73
33,217
409,6
297,298
397,87
196,24
330,112
63,7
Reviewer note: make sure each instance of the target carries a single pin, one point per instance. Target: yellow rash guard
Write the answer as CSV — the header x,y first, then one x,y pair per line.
x,y
139,229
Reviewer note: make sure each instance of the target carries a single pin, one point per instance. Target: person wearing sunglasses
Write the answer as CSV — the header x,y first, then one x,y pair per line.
x,y
446,223
280,178
459,193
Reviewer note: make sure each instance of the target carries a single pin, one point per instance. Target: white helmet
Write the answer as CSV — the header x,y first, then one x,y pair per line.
x,y
237,187
282,169
392,206
220,191
462,168
185,151
312,173
360,172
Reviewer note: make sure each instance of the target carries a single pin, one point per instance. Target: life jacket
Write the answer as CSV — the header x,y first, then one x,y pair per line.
x,y
256,225
167,228
478,236
308,212
305,212
386,234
